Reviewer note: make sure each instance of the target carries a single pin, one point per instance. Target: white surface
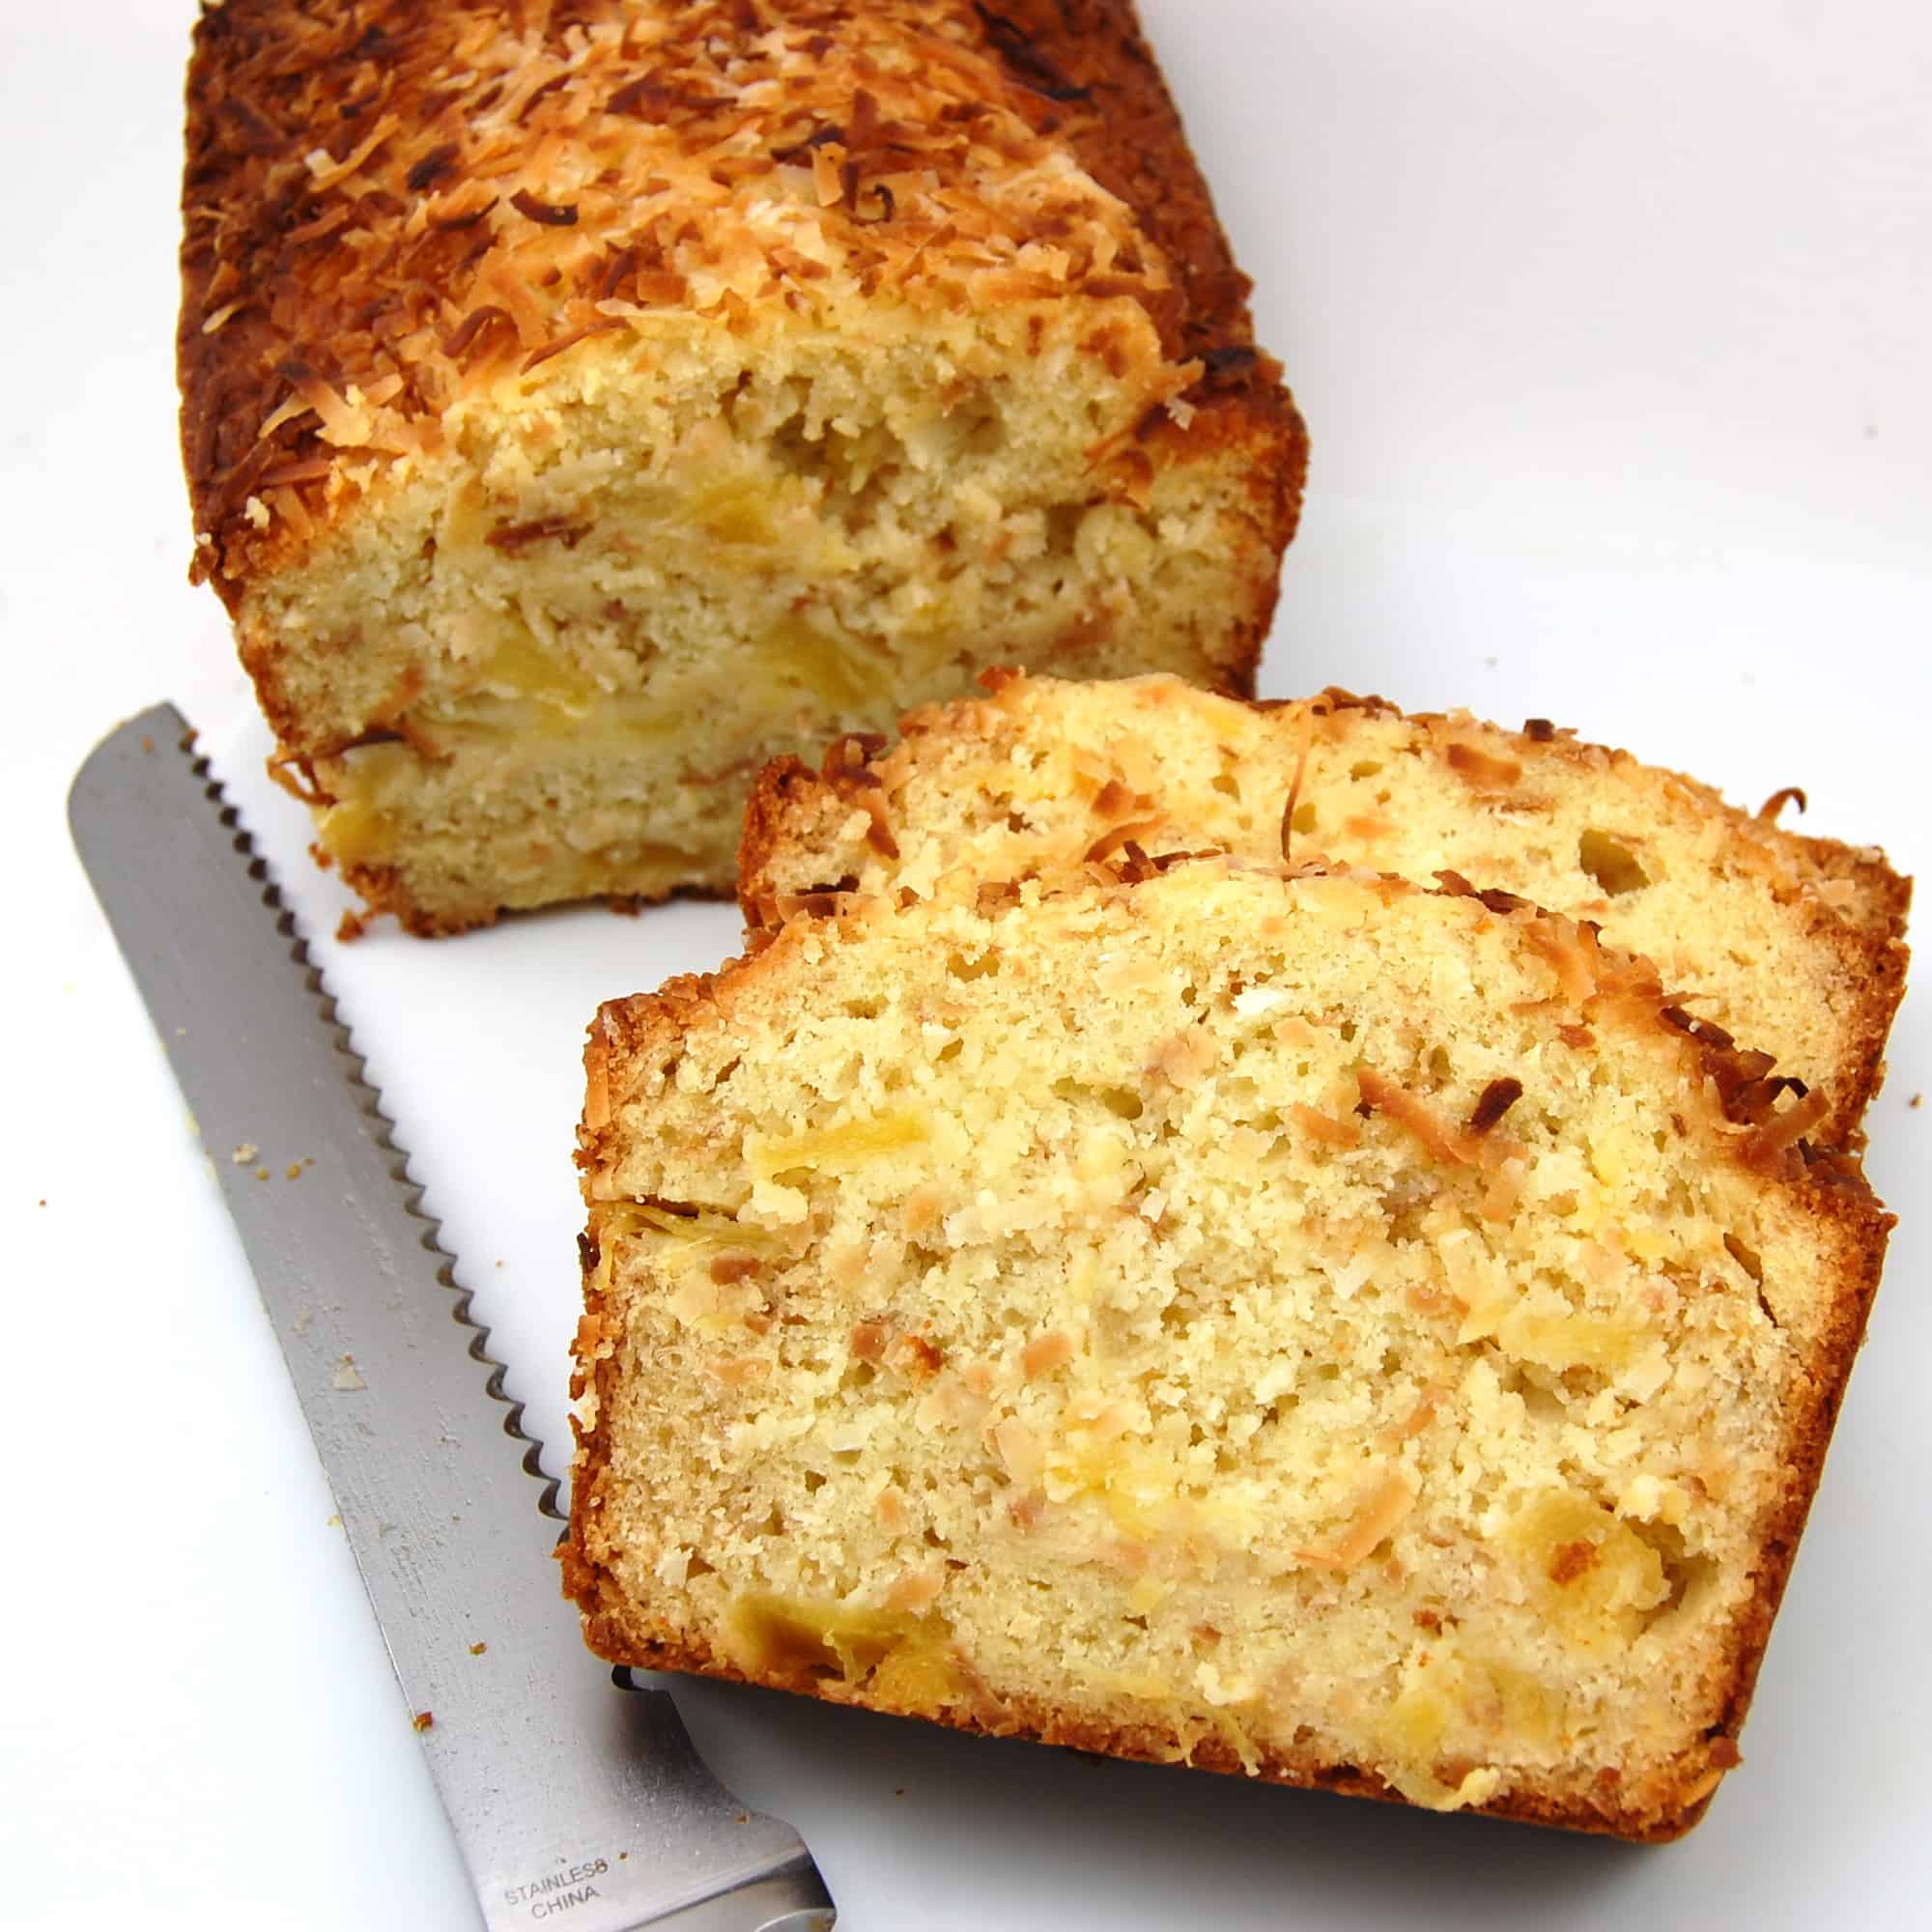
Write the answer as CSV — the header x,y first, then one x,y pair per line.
x,y
1610,322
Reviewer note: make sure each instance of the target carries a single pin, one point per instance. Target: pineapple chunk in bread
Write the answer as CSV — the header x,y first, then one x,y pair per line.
x,y
1305,1326
583,404
1793,943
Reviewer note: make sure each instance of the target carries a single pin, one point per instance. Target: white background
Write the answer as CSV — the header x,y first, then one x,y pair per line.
x,y
1612,324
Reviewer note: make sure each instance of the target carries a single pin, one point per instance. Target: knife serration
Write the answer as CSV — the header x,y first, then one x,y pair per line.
x,y
568,1796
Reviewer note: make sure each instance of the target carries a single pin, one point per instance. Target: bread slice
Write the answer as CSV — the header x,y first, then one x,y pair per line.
x,y
1302,1325
1793,944
583,404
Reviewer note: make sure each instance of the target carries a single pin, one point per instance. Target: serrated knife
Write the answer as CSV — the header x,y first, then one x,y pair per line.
x,y
574,1800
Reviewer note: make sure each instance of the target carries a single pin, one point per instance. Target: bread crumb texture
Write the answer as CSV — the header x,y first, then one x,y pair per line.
x,y
1300,1325
585,402
1793,944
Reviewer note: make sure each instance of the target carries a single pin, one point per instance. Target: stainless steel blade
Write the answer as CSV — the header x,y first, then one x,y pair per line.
x,y
568,1795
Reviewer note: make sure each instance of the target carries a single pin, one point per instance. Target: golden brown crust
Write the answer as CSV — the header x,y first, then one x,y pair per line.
x,y
1867,937
1835,1188
388,206
770,815
1829,1186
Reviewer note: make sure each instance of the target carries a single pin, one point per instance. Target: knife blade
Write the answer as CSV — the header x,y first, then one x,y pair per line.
x,y
568,1793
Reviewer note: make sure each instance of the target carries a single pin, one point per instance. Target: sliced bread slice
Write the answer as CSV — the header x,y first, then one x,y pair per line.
x,y
1312,1326
1794,943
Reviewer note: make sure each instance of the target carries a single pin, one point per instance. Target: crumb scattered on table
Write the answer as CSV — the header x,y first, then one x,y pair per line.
x,y
294,1171
424,1719
348,1376
261,1174
244,1153
477,1649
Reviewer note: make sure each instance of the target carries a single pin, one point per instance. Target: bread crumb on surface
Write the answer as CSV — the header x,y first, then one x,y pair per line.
x,y
348,1377
244,1153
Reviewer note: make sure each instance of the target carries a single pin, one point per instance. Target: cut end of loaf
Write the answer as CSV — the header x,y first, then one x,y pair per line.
x,y
662,395
1311,1327
581,667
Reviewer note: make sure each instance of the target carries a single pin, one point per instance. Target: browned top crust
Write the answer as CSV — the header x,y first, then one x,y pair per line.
x,y
388,206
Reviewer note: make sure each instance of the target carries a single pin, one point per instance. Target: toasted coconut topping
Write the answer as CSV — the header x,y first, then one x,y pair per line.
x,y
1046,1352
1571,953
542,174
879,832
553,215
1380,1510
1117,836
1495,1101
1457,886
1779,800
1482,770
1453,1147
845,758
1785,1130
1295,784
1321,1127
1746,1257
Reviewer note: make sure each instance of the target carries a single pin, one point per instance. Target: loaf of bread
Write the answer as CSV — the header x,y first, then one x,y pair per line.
x,y
1291,1323
583,403
1793,944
